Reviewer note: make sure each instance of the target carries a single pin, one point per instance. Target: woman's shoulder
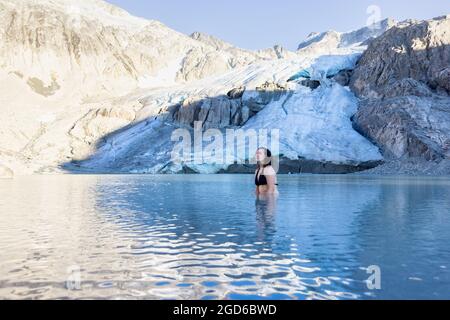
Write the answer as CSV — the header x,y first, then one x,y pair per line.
x,y
269,170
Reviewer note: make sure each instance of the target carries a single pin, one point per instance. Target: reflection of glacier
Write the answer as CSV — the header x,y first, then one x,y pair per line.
x,y
48,226
207,237
243,248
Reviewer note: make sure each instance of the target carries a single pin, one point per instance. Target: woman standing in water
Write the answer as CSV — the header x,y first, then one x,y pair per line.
x,y
265,175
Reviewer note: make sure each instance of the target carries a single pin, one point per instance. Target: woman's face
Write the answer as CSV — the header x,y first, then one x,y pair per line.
x,y
260,155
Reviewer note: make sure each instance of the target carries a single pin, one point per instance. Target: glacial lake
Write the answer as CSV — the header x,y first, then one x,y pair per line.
x,y
209,237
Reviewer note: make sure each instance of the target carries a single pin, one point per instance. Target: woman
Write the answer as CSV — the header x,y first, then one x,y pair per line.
x,y
265,175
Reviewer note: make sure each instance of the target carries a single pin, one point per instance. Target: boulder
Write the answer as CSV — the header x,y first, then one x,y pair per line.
x,y
236,93
271,86
231,110
187,112
214,112
343,77
264,94
312,84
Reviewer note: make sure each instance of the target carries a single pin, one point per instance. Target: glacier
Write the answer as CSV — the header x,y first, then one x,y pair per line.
x,y
98,90
314,124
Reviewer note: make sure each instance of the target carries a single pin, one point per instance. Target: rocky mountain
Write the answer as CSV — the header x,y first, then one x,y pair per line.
x,y
60,57
57,44
277,52
90,88
316,133
327,42
403,81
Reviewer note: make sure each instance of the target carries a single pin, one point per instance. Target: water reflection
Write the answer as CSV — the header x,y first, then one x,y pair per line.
x,y
203,237
265,207
405,230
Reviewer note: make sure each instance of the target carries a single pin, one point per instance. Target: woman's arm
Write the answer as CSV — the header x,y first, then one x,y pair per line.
x,y
271,177
271,183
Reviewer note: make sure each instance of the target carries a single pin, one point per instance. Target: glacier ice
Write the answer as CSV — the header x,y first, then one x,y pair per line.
x,y
115,78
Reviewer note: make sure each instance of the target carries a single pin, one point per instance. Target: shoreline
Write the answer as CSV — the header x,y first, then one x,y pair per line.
x,y
410,167
413,167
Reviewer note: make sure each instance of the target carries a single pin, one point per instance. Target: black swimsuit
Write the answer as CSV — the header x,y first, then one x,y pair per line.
x,y
262,180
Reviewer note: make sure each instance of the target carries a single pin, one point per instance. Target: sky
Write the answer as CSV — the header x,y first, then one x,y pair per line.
x,y
259,24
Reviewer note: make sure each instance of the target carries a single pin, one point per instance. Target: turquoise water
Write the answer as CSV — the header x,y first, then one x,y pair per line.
x,y
208,237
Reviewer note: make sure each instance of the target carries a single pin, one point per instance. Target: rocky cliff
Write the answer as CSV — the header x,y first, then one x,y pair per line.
x,y
403,83
328,42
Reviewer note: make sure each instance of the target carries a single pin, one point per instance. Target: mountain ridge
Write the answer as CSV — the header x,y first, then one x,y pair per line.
x,y
98,95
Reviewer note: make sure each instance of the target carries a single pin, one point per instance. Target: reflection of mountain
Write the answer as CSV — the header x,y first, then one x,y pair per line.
x,y
300,243
321,214
160,237
48,226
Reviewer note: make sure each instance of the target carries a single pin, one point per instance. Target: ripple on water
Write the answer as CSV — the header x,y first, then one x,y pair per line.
x,y
124,237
